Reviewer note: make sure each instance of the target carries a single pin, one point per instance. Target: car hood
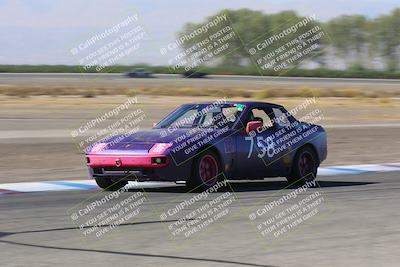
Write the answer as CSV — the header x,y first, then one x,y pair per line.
x,y
141,142
150,136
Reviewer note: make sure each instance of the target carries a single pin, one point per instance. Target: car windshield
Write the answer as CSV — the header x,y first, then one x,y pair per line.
x,y
203,116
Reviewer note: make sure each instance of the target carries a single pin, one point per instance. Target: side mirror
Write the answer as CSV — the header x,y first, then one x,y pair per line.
x,y
253,126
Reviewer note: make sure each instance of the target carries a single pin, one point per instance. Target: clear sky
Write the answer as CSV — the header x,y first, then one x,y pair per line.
x,y
45,31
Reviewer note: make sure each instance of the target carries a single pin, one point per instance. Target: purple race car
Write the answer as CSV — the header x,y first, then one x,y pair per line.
x,y
202,143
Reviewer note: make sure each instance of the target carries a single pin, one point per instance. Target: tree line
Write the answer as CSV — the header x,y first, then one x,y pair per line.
x,y
352,41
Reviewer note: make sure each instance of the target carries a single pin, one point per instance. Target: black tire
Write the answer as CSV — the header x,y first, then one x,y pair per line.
x,y
201,178
110,185
304,166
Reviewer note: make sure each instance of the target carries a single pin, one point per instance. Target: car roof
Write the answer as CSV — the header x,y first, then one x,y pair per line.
x,y
247,103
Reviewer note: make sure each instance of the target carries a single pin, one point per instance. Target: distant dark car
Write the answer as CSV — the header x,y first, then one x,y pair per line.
x,y
194,74
139,73
202,143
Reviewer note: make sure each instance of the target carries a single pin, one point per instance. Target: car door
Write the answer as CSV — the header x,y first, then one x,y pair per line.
x,y
255,158
285,136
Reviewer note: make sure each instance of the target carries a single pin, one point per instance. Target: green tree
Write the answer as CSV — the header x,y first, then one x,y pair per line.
x,y
386,32
250,27
349,35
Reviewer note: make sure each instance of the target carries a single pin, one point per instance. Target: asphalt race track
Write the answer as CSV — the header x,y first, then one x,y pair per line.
x,y
214,80
357,224
113,76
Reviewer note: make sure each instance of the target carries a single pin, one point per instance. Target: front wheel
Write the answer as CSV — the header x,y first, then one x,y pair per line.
x,y
205,171
304,166
109,184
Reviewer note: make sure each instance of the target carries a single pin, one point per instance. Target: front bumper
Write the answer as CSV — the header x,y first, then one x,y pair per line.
x,y
124,161
135,168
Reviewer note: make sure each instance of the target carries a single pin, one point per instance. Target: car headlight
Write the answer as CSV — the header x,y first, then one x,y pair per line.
x,y
98,147
159,148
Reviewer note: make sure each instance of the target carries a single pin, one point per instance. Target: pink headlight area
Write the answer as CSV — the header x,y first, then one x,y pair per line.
x,y
159,148
98,147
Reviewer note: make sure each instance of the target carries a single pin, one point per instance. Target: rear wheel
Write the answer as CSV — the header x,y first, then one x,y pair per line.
x,y
304,166
205,171
108,184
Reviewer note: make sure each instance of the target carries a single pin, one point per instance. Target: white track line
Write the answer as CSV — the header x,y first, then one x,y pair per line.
x,y
91,184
